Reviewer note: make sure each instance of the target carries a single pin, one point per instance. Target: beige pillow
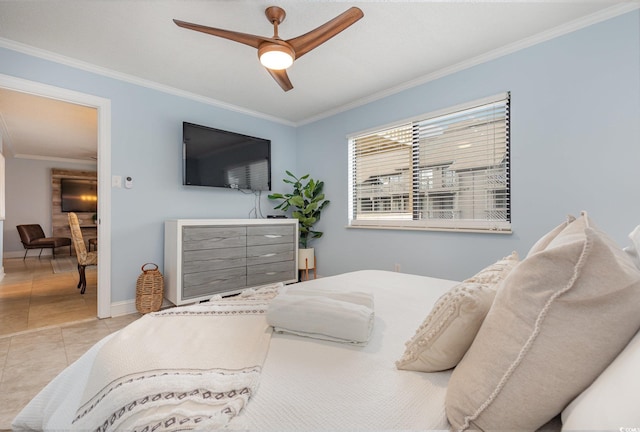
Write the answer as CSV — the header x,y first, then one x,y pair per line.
x,y
560,317
447,332
496,272
544,241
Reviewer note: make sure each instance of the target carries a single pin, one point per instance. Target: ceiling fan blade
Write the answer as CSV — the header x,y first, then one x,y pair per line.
x,y
308,41
281,78
243,38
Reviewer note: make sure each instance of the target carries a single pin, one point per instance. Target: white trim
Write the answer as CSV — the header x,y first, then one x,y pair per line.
x,y
3,181
56,159
488,227
123,308
567,28
78,64
397,228
128,307
103,107
5,139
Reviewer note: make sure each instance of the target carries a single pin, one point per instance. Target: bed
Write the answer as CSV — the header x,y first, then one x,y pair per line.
x,y
434,346
305,376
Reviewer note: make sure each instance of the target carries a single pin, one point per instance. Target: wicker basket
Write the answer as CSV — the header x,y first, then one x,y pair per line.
x,y
149,290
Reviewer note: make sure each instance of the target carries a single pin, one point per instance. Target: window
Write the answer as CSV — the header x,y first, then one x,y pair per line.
x,y
447,170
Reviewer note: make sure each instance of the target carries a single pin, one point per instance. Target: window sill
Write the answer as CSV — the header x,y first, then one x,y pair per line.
x,y
420,228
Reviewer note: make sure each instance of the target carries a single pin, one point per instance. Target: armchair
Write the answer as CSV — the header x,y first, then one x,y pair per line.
x,y
32,237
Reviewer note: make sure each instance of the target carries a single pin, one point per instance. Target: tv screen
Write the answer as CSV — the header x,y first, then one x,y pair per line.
x,y
218,158
79,195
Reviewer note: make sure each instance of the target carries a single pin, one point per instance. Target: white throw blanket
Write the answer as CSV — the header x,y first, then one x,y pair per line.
x,y
335,315
183,368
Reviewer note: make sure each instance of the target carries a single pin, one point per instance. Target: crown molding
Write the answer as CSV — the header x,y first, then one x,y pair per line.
x,y
572,26
553,33
99,70
56,159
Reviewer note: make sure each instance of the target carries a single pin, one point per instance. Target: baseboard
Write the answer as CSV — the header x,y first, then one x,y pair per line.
x,y
123,308
129,306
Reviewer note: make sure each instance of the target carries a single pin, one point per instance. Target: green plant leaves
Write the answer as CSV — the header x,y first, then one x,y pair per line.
x,y
297,201
307,202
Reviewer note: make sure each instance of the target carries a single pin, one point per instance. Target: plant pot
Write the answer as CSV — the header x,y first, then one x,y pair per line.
x,y
306,259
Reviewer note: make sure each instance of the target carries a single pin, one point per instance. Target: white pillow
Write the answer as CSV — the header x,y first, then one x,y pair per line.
x,y
634,250
611,402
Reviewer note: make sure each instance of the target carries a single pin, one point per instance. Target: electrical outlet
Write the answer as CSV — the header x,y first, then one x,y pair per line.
x,y
116,181
396,268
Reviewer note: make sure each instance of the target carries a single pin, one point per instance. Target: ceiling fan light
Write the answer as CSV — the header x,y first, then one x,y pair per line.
x,y
276,57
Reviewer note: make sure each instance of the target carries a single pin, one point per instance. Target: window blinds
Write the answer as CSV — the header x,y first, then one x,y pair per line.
x,y
449,170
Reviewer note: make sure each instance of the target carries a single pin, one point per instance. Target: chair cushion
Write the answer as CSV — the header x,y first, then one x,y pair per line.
x,y
48,242
60,241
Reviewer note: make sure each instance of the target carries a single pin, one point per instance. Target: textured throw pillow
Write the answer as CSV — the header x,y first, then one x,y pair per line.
x,y
496,272
560,317
447,332
544,241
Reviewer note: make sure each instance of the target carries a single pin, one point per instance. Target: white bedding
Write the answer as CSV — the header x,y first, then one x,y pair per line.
x,y
310,384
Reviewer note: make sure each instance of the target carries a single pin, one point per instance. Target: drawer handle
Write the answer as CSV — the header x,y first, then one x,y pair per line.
x,y
272,236
270,273
268,255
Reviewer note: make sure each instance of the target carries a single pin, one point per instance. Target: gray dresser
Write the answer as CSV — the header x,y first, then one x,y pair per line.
x,y
203,257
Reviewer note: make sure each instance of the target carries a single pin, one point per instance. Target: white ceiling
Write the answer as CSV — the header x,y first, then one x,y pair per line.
x,y
43,128
396,45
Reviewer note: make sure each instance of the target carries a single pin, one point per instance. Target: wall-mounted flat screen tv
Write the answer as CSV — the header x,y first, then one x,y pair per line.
x,y
219,158
79,195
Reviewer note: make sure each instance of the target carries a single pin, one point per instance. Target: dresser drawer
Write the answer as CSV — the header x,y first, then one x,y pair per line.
x,y
268,235
266,273
205,238
265,254
213,259
211,282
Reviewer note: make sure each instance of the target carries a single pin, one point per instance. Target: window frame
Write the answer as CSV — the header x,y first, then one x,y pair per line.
x,y
423,177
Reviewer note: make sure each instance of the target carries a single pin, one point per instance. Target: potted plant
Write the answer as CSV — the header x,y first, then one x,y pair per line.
x,y
307,202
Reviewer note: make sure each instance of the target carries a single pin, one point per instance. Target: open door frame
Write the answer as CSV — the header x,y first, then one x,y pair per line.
x,y
103,107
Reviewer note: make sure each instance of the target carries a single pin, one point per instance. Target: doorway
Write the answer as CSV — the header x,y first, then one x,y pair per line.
x,y
103,107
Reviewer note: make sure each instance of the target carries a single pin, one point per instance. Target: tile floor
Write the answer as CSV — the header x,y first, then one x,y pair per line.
x,y
32,296
45,325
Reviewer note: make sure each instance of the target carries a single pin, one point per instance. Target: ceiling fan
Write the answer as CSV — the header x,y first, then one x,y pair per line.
x,y
276,54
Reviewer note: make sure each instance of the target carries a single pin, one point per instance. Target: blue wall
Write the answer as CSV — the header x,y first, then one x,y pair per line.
x,y
146,138
575,145
575,141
